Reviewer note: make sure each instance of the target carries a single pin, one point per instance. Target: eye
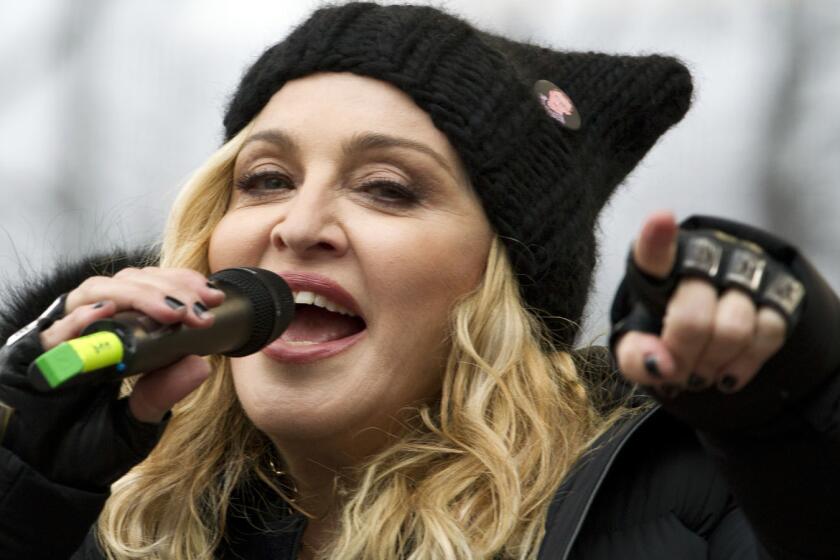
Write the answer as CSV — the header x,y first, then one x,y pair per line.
x,y
390,193
264,182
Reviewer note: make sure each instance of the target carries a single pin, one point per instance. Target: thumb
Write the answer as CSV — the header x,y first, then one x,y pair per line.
x,y
156,392
655,250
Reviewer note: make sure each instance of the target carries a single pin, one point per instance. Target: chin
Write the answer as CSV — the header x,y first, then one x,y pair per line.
x,y
340,400
313,400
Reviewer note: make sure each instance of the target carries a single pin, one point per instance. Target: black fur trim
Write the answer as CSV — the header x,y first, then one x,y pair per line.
x,y
24,302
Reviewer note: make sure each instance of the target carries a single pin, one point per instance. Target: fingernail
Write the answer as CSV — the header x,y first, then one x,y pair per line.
x,y
199,309
173,303
211,285
652,366
696,383
669,390
99,305
727,383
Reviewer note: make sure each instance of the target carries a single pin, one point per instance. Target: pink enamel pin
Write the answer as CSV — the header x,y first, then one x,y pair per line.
x,y
557,104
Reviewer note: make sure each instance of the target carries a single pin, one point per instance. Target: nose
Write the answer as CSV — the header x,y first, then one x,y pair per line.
x,y
309,225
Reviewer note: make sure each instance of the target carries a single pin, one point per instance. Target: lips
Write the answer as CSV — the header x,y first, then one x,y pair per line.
x,y
323,324
318,284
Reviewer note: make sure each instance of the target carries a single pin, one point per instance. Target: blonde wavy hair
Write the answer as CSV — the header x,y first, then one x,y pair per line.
x,y
472,475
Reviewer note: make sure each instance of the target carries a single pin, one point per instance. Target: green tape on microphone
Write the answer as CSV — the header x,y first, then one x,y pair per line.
x,y
75,357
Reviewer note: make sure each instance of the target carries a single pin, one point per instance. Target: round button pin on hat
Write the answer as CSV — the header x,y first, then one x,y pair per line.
x,y
557,104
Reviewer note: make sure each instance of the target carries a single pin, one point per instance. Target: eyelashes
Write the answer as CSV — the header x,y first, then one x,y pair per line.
x,y
263,182
390,192
382,191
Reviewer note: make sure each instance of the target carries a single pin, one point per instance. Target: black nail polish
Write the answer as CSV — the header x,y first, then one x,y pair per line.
x,y
99,305
199,309
652,366
695,382
669,390
727,383
175,304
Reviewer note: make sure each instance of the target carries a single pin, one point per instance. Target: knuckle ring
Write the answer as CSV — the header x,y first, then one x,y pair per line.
x,y
784,292
745,269
702,257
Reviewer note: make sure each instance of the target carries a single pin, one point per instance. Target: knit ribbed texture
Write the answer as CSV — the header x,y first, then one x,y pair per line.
x,y
541,185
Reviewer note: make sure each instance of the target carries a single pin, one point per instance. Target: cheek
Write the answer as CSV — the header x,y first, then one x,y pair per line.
x,y
416,287
237,241
422,273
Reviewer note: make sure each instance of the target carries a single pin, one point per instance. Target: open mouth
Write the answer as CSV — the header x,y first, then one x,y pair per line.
x,y
318,319
322,327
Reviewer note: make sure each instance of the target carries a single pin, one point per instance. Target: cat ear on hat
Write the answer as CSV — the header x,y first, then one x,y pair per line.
x,y
614,107
627,103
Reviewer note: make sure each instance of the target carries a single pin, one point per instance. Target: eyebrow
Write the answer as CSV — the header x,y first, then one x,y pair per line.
x,y
356,145
277,137
373,141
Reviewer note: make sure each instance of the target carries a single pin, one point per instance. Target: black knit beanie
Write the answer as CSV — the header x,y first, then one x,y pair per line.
x,y
541,178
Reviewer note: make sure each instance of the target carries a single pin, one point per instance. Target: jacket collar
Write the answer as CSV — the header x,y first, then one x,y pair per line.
x,y
574,498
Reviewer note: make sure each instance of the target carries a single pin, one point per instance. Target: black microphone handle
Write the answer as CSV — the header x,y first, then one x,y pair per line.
x,y
150,345
258,307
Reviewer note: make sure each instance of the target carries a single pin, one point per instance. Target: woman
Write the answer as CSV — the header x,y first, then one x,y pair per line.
x,y
395,162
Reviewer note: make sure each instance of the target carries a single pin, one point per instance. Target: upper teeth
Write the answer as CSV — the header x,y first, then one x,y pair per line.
x,y
311,298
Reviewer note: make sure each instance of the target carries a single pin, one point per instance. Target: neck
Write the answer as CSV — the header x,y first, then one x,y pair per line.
x,y
319,468
315,484
318,464
316,481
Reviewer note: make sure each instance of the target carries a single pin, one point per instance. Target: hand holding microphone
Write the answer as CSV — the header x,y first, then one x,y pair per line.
x,y
257,308
82,434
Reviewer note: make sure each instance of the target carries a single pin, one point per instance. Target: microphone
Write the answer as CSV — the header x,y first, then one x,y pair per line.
x,y
258,307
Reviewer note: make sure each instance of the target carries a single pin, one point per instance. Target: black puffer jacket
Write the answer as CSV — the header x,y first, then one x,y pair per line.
x,y
653,487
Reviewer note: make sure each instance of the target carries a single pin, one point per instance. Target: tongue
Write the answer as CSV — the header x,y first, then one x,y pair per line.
x,y
316,324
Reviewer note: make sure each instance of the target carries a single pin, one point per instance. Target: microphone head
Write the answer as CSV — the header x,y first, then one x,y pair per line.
x,y
271,300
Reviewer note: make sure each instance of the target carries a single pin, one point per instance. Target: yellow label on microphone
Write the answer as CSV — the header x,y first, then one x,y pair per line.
x,y
75,357
98,350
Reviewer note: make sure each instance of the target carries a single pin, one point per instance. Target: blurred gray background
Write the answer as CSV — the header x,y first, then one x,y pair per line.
x,y
107,106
